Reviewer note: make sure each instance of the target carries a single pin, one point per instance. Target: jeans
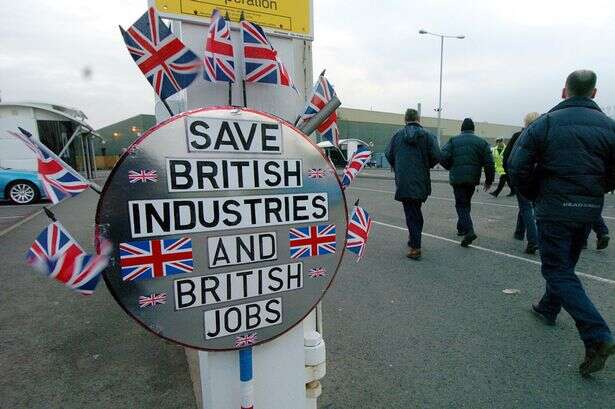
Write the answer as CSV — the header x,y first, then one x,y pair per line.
x,y
526,223
599,227
463,205
414,221
501,183
560,247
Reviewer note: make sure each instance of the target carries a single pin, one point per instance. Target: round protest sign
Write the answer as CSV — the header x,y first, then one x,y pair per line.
x,y
228,226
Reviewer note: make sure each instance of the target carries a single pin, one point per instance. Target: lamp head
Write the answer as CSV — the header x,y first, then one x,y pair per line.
x,y
421,31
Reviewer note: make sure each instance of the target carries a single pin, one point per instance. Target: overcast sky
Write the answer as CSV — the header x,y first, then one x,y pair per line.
x,y
514,59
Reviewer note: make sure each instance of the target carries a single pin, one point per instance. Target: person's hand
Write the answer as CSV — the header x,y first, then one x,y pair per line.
x,y
487,186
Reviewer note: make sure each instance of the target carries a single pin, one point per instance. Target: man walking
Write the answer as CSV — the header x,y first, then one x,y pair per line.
x,y
526,222
465,156
498,159
411,153
566,161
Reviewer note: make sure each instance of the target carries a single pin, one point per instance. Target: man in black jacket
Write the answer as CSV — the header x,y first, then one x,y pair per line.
x,y
411,153
465,156
566,161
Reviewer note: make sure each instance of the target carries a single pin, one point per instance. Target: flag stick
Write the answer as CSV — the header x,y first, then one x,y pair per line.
x,y
245,98
50,214
356,203
164,101
246,377
230,93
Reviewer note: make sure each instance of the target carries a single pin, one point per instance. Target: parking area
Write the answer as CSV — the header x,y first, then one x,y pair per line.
x,y
11,214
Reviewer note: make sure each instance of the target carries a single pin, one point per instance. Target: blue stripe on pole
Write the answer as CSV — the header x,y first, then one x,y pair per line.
x,y
245,364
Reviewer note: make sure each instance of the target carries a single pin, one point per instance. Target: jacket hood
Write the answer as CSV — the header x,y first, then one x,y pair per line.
x,y
576,102
413,130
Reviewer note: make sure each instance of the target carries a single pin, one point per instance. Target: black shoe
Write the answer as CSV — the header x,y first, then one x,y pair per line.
x,y
468,239
544,317
531,248
603,242
595,357
519,237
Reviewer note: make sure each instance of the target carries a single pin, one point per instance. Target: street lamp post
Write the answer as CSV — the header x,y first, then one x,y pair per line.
x,y
442,37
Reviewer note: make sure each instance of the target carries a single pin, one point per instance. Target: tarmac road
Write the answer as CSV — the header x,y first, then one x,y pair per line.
x,y
440,333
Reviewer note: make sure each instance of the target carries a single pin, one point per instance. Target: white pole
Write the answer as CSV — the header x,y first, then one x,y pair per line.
x,y
440,97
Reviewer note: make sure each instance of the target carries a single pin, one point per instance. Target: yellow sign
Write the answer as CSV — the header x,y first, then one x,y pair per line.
x,y
287,17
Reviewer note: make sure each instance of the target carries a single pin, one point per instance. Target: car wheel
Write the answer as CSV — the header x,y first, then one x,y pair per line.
x,y
22,193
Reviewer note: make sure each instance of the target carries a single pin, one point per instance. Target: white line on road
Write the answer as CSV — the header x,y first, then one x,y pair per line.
x,y
11,217
499,253
452,200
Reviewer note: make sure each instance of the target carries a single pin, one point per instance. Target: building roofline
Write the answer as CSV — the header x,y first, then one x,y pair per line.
x,y
64,111
401,116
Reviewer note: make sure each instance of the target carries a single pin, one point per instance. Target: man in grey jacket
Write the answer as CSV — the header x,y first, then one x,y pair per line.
x,y
411,153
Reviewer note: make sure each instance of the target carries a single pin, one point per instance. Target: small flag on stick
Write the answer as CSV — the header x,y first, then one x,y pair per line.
x,y
261,61
355,165
59,180
322,93
219,57
166,62
359,228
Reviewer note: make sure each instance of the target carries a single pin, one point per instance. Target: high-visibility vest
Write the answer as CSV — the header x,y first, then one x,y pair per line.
x,y
498,158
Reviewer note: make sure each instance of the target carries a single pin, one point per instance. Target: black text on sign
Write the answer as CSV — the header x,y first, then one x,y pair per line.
x,y
242,318
241,249
225,135
172,216
225,287
202,175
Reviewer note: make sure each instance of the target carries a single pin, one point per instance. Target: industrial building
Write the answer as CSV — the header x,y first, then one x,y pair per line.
x,y
372,127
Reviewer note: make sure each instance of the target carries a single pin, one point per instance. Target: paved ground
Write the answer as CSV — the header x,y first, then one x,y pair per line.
x,y
11,214
62,350
440,333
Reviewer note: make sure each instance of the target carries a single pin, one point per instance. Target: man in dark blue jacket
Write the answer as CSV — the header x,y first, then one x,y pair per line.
x,y
411,153
565,162
465,156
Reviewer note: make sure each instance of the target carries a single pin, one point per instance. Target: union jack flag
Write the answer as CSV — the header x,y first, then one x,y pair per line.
x,y
317,272
358,231
310,241
142,176
164,60
59,256
261,61
219,61
316,173
245,341
355,165
59,180
322,93
144,260
152,300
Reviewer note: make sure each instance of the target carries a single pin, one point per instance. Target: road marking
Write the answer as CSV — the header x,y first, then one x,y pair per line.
x,y
20,206
499,253
11,217
19,223
452,200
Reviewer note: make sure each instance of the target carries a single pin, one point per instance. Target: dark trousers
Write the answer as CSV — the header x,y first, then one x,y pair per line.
x,y
526,222
599,227
501,183
414,221
463,205
560,247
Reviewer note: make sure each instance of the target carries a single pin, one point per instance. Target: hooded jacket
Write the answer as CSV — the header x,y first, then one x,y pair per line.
x,y
412,151
565,161
465,156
